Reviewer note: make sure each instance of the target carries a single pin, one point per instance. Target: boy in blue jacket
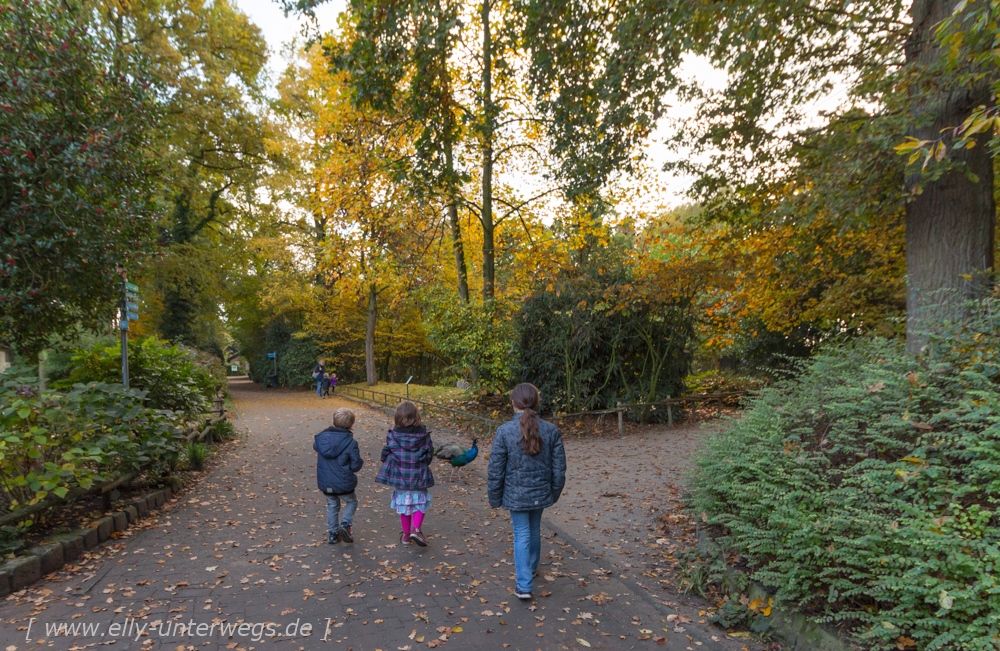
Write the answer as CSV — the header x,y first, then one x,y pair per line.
x,y
337,462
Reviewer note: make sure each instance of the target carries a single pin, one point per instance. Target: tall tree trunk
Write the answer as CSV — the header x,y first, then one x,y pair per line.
x,y
950,224
446,102
456,227
319,226
370,372
489,254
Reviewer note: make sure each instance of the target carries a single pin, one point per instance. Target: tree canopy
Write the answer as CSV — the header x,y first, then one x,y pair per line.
x,y
76,170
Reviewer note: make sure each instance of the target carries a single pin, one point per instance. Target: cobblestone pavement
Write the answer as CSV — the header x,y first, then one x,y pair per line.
x,y
248,546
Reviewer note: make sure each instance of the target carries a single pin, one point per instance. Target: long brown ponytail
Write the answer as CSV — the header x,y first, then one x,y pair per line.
x,y
525,397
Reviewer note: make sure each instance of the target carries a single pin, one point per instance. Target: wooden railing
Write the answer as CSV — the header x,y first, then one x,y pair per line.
x,y
387,399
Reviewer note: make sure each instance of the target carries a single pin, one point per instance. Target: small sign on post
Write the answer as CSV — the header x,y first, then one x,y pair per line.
x,y
408,387
128,311
131,301
273,380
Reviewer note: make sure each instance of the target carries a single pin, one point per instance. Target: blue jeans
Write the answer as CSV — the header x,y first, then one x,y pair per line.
x,y
319,388
333,519
527,546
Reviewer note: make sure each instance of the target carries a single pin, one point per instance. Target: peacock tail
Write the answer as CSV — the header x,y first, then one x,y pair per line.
x,y
456,455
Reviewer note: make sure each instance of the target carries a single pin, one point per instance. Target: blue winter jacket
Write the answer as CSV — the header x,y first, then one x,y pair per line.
x,y
520,482
337,461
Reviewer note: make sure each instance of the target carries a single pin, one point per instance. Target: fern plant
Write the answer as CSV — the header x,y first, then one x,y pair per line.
x,y
865,489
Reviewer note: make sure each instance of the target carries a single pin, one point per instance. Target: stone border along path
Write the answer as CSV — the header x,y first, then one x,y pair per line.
x,y
248,547
56,551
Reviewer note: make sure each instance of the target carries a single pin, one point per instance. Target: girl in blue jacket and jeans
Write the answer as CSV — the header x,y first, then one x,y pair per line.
x,y
337,462
527,473
406,466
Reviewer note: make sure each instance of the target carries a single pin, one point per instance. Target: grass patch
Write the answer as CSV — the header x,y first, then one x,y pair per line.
x,y
197,454
438,395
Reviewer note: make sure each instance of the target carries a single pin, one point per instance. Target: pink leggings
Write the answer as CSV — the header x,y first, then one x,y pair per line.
x,y
417,518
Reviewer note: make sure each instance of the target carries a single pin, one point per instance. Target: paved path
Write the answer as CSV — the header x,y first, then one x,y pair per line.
x,y
248,546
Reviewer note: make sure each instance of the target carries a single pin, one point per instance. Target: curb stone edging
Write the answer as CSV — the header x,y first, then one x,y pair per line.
x,y
62,549
795,629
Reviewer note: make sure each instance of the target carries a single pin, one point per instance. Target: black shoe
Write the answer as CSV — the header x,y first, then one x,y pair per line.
x,y
345,534
334,537
523,596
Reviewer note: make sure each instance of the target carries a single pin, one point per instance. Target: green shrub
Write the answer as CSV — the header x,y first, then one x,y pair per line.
x,y
196,454
223,430
479,338
296,355
168,374
11,540
52,442
865,489
590,341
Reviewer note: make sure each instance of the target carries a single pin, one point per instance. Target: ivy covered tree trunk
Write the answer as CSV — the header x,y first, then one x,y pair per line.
x,y
371,374
456,228
950,222
489,116
448,144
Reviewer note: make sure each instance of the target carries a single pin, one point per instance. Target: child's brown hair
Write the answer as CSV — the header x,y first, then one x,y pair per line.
x,y
407,415
525,398
343,418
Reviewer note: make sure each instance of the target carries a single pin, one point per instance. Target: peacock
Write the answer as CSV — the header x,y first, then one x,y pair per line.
x,y
456,455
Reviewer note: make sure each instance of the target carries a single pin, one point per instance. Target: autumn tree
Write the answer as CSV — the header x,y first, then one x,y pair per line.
x,y
454,68
377,230
401,61
602,71
212,146
75,170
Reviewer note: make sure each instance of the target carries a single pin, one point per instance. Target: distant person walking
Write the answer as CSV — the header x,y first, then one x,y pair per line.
x,y
318,371
406,466
527,473
326,385
333,383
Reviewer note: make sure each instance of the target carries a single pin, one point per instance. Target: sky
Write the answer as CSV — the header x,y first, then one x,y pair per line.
x,y
279,30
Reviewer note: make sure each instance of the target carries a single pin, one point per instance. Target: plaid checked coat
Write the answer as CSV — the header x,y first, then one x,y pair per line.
x,y
406,459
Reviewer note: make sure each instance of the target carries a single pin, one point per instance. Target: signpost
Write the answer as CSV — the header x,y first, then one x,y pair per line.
x,y
408,387
128,311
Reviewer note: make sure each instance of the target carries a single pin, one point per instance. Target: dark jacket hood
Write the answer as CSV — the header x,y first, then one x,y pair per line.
x,y
410,439
337,462
334,441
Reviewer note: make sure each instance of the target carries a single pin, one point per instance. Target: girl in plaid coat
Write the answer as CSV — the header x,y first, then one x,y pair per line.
x,y
406,466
